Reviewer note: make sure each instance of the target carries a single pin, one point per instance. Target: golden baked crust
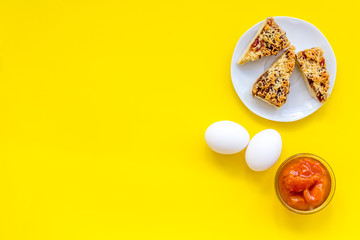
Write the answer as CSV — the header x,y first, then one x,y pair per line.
x,y
273,85
313,70
269,40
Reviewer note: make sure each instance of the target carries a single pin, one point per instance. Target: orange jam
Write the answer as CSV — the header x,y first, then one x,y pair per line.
x,y
304,183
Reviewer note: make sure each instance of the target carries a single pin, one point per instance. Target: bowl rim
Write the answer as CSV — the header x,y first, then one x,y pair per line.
x,y
332,177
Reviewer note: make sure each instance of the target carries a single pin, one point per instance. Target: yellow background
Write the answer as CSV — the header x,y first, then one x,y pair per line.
x,y
104,106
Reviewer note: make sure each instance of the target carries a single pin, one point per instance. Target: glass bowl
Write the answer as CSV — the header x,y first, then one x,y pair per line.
x,y
332,178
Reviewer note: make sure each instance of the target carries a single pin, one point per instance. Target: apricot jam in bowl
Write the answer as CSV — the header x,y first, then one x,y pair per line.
x,y
305,183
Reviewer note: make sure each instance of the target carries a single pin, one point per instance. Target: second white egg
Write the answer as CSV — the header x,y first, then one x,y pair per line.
x,y
263,150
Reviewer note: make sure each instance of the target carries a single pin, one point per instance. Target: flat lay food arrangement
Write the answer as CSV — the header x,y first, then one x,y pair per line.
x,y
215,120
303,184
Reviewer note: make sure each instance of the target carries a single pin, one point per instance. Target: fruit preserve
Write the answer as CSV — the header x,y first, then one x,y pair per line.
x,y
303,182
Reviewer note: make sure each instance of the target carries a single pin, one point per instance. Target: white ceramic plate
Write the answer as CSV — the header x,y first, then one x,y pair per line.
x,y
300,104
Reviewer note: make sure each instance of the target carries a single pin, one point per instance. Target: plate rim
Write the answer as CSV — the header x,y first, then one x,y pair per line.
x,y
269,118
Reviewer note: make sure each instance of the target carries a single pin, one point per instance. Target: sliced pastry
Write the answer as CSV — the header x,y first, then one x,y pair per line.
x,y
269,40
313,70
273,85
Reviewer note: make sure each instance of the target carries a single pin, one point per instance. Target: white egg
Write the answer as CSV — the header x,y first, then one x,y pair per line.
x,y
263,150
226,137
